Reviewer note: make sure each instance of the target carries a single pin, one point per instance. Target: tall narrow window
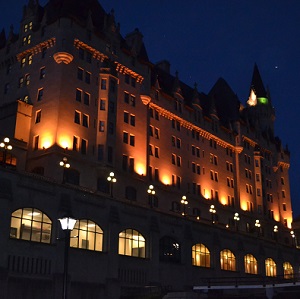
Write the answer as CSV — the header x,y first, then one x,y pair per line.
x,y
38,116
103,84
75,143
78,95
86,99
36,142
40,94
85,120
42,73
77,117
83,146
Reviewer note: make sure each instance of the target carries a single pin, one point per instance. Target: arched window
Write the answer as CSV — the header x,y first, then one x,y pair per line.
x,y
200,256
169,250
132,243
227,260
288,271
250,264
270,267
87,235
30,224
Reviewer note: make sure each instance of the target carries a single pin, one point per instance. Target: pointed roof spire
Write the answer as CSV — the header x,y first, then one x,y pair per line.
x,y
257,84
176,85
196,100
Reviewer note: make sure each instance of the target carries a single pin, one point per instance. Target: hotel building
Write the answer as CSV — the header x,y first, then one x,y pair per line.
x,y
198,184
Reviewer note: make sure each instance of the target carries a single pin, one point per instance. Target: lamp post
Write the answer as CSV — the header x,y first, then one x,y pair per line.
x,y
213,212
184,202
294,241
64,163
257,225
7,147
236,219
67,225
275,231
151,193
111,179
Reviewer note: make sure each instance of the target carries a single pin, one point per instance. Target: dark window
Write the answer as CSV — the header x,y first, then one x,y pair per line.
x,y
77,117
44,51
38,116
103,84
101,126
75,143
85,120
103,185
124,162
83,146
86,99
40,94
87,77
88,57
110,154
102,104
72,176
80,73
130,193
127,78
78,95
169,250
42,73
131,164
100,152
81,53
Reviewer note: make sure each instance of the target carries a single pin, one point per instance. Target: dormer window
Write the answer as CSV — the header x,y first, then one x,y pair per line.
x,y
27,26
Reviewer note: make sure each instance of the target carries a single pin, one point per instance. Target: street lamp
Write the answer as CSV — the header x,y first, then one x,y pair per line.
x,y
257,224
111,178
64,163
7,147
213,211
236,219
275,231
67,225
151,194
293,237
184,202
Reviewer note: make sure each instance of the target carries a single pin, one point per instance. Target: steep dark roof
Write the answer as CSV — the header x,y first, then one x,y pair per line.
x,y
78,10
2,38
257,84
226,101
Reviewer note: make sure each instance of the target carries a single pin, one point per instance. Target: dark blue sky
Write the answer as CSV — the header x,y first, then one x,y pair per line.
x,y
208,39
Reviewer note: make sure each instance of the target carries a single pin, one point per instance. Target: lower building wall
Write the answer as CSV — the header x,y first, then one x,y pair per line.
x,y
35,270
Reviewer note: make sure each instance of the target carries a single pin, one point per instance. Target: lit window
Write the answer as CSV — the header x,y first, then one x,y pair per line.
x,y
250,264
200,256
227,260
270,267
132,243
87,235
30,224
288,272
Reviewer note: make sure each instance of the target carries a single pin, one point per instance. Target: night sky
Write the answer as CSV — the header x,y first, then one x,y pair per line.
x,y
207,39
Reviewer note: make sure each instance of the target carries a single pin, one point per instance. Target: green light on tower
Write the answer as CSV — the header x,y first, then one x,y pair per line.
x,y
263,101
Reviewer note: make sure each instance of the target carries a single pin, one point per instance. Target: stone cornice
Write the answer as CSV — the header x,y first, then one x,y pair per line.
x,y
37,48
125,70
169,115
96,54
